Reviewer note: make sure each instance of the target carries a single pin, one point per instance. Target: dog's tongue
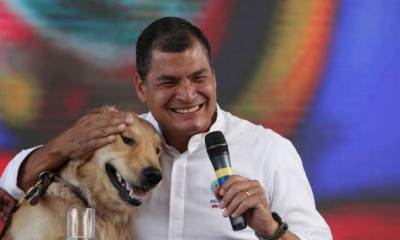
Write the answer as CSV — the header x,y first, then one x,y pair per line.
x,y
139,195
137,192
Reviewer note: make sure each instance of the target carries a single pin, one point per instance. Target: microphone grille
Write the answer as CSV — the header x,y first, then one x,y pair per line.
x,y
215,143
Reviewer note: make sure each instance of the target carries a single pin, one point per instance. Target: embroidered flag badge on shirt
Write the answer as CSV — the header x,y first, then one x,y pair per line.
x,y
214,202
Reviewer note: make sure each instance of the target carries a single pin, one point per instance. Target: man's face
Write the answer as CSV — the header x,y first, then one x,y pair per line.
x,y
180,91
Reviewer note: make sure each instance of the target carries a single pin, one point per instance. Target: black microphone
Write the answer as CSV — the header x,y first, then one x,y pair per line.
x,y
218,152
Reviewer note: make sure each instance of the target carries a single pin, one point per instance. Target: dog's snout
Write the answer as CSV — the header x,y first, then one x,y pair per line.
x,y
152,176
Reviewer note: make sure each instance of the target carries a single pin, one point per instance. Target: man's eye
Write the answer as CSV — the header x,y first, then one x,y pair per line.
x,y
199,78
166,84
127,140
169,83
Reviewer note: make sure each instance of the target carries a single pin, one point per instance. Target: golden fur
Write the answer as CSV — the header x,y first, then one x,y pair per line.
x,y
46,220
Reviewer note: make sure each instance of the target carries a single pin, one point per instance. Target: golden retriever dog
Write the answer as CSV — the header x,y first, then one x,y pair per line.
x,y
115,180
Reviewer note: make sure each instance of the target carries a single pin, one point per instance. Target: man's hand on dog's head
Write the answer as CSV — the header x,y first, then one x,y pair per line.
x,y
91,132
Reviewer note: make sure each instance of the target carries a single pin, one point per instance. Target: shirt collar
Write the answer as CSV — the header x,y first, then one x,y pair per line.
x,y
218,125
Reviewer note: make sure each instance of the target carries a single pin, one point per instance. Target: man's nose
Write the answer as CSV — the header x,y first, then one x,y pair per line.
x,y
186,91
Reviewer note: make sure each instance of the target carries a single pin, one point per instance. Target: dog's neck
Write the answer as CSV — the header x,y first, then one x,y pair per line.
x,y
67,176
74,189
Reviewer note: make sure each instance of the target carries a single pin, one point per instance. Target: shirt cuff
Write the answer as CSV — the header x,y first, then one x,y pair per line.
x,y
8,181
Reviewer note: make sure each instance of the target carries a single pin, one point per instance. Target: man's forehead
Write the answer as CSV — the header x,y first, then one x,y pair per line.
x,y
170,61
196,46
158,54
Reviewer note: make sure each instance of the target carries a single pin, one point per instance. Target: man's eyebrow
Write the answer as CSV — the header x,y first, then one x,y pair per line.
x,y
198,72
164,77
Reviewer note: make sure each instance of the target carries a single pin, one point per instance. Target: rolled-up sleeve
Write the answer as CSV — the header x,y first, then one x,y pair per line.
x,y
291,195
8,181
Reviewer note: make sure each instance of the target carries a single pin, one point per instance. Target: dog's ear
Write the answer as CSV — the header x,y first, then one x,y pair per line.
x,y
76,163
70,171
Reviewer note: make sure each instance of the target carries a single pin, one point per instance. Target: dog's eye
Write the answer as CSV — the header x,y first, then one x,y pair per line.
x,y
127,140
158,150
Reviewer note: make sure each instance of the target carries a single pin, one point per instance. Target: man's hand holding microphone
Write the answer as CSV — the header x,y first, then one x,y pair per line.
x,y
243,200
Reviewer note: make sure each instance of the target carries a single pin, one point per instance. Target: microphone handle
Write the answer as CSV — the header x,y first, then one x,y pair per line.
x,y
223,171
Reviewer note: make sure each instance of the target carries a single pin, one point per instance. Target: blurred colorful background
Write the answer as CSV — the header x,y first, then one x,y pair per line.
x,y
323,73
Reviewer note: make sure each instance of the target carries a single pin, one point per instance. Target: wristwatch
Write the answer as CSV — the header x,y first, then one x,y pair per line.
x,y
279,232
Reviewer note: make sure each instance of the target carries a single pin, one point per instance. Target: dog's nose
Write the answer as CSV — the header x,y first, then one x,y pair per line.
x,y
152,176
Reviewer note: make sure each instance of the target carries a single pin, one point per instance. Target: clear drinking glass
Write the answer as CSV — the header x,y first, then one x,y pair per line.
x,y
80,224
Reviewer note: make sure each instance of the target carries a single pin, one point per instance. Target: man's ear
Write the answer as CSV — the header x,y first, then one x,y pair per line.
x,y
140,87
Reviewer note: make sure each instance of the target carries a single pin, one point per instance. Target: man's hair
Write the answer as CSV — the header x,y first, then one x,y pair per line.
x,y
168,34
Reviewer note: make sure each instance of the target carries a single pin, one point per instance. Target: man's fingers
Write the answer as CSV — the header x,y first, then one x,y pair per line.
x,y
232,180
95,127
129,117
234,189
94,144
105,119
88,146
244,201
109,126
114,118
243,206
105,131
93,131
241,194
232,206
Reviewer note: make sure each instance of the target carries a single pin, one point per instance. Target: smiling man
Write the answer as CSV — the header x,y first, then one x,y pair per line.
x,y
177,82
180,92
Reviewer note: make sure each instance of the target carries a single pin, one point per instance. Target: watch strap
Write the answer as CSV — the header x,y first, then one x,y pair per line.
x,y
282,228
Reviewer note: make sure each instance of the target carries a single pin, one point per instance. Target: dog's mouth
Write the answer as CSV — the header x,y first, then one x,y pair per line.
x,y
128,192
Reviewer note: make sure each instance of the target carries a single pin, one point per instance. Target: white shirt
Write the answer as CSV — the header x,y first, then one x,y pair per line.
x,y
183,206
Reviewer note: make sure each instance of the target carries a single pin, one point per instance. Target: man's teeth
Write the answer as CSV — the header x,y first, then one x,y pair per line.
x,y
187,110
